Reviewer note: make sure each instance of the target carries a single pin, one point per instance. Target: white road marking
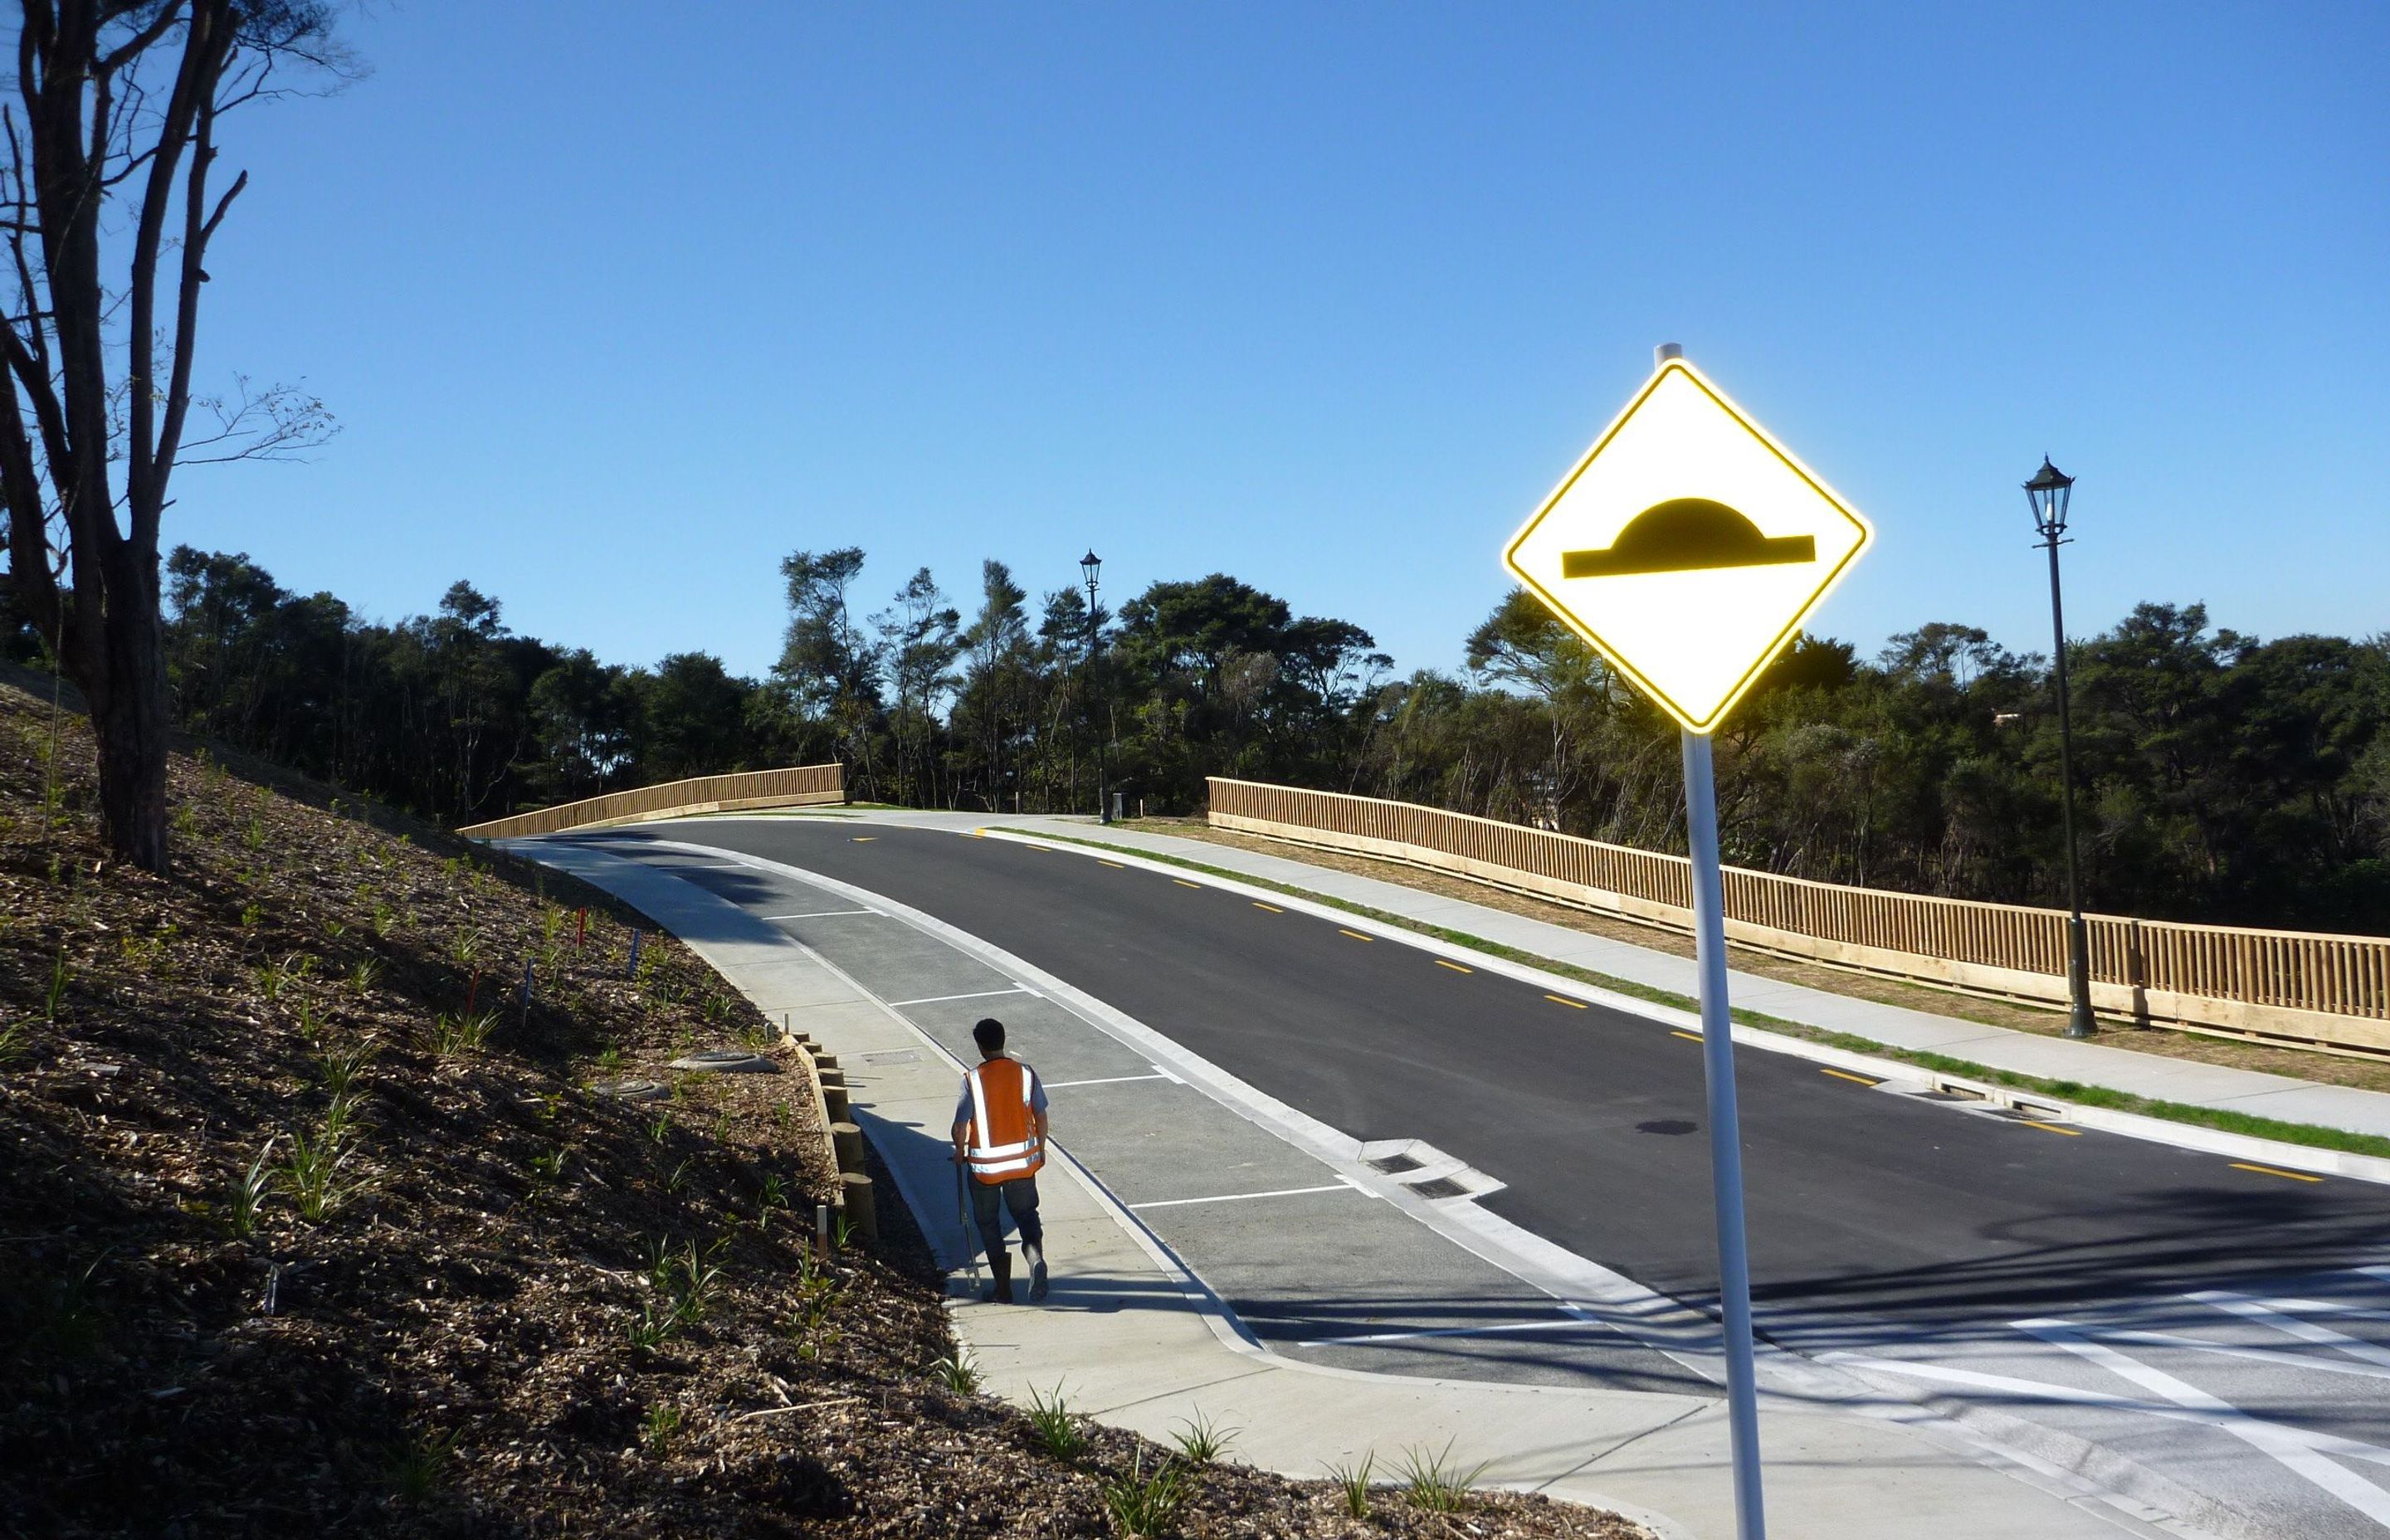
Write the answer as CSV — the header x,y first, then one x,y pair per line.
x,y
2277,1356
2295,1449
1443,1331
822,914
2323,1307
1113,1080
2034,1390
981,994
2305,1331
1241,1197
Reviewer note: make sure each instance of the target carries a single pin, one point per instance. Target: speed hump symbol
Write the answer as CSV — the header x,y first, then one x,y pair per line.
x,y
1688,545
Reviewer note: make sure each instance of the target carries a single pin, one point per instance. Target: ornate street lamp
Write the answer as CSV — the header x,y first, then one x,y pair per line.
x,y
2050,491
1092,564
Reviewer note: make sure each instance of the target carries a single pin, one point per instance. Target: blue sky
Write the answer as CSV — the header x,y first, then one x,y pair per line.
x,y
618,304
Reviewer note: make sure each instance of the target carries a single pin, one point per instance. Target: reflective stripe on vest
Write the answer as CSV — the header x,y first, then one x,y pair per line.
x,y
1003,1135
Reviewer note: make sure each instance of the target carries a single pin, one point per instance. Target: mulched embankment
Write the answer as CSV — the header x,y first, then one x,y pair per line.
x,y
309,1225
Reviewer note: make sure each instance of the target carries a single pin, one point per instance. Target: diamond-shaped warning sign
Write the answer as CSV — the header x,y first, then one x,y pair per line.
x,y
1688,545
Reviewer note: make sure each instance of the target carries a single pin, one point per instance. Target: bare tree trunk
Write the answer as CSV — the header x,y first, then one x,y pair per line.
x,y
129,723
108,149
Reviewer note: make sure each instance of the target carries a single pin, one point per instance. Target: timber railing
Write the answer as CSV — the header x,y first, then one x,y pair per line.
x,y
799,785
2320,991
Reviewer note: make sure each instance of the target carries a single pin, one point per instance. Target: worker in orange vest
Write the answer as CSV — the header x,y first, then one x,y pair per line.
x,y
1000,1136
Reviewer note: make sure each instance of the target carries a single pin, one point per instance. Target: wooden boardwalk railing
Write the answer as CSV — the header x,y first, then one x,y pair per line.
x,y
798,786
2282,985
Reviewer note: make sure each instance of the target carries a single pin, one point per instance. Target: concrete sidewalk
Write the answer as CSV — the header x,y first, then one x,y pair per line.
x,y
1133,1337
2209,1086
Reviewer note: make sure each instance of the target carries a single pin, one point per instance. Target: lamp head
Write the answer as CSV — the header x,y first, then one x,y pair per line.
x,y
1091,564
2049,491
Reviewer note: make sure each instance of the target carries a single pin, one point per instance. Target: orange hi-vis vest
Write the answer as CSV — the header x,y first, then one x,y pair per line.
x,y
1002,1144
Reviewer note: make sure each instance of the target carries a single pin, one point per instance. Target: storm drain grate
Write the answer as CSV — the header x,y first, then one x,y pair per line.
x,y
1442,1187
1392,1163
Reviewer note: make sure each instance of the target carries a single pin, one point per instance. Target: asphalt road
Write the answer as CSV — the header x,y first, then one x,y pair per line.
x,y
1859,1200
1915,1238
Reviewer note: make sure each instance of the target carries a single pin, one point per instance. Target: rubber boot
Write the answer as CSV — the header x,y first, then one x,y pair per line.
x,y
999,1263
1036,1257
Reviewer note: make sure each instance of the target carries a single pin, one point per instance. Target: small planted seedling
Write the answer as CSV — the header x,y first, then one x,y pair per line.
x,y
462,1033
313,1172
249,1195
1434,1483
1059,1433
415,1474
1203,1440
664,1421
1354,1483
343,1064
957,1371
1146,1505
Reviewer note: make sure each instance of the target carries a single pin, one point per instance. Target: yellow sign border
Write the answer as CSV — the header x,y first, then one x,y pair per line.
x,y
1791,628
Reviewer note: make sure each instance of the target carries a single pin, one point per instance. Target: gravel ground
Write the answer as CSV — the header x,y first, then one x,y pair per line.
x,y
309,1223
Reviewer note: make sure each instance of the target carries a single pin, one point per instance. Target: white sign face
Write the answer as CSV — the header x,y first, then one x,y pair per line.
x,y
1688,545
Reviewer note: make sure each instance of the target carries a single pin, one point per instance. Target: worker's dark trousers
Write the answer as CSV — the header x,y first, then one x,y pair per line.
x,y
992,1200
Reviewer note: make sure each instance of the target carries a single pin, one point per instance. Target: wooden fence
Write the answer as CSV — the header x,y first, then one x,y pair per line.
x,y
2290,986
799,785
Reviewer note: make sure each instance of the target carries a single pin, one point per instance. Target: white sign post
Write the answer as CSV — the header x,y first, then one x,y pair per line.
x,y
1688,546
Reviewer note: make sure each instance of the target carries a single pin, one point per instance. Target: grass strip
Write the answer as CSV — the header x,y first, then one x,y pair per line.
x,y
2309,1135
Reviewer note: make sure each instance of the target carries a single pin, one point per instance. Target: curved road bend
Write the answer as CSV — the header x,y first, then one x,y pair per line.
x,y
1882,1226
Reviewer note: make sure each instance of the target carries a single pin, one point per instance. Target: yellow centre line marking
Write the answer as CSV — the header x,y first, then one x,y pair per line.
x,y
1454,966
2269,1171
1271,907
1565,1000
865,838
1113,865
1840,1074
1355,934
1687,1036
2051,1127
1184,883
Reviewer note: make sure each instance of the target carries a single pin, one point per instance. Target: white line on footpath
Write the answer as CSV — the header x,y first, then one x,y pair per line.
x,y
1449,1332
981,994
1241,1197
1113,1080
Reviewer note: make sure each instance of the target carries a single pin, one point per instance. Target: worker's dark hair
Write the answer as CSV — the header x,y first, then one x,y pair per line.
x,y
989,1035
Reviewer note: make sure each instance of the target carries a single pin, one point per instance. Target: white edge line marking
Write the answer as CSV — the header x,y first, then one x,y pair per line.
x,y
1339,1186
980,995
1898,1076
822,914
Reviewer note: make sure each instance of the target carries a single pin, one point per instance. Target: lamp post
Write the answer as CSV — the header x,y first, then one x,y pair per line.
x,y
2049,491
1092,564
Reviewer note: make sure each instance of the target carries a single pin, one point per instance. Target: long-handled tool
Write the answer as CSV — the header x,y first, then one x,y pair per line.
x,y
963,1217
